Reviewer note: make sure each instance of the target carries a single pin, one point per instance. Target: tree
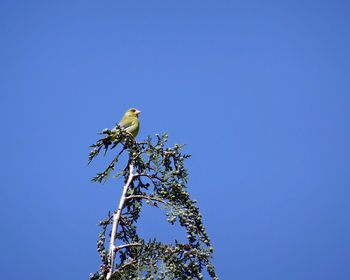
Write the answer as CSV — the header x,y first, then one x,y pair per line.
x,y
155,175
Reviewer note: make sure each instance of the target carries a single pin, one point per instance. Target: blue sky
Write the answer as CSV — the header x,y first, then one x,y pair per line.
x,y
258,90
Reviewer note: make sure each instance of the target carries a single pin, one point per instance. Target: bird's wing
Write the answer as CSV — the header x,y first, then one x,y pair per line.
x,y
125,123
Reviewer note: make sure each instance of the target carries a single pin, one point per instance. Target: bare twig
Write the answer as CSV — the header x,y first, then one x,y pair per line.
x,y
116,218
127,245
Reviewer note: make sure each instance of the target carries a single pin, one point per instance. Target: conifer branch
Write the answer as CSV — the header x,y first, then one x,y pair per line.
x,y
147,197
127,245
166,184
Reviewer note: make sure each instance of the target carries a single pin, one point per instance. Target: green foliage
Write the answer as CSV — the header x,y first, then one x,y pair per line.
x,y
159,180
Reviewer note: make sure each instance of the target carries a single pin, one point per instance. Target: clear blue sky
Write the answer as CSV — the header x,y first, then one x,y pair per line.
x,y
259,91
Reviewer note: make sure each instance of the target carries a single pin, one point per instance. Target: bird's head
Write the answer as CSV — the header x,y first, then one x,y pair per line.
x,y
133,112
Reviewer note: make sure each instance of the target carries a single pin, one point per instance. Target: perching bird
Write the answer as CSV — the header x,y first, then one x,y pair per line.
x,y
130,123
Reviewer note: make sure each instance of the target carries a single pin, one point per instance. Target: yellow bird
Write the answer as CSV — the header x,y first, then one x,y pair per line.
x,y
130,123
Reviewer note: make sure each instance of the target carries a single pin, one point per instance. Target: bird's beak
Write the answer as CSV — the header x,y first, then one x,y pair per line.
x,y
137,112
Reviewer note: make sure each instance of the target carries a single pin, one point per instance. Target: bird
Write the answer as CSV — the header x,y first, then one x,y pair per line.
x,y
130,123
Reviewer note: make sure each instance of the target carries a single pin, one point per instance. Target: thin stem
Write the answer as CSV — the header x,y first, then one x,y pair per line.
x,y
146,197
116,218
127,264
127,245
124,232
151,176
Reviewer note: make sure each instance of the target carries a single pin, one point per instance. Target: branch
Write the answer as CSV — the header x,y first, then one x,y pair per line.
x,y
132,262
127,245
105,174
147,197
125,265
151,176
116,218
